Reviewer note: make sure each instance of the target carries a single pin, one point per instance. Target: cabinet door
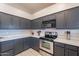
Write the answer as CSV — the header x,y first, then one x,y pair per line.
x,y
24,23
36,24
15,22
60,20
7,45
8,53
49,17
31,42
18,46
72,53
28,23
36,44
66,52
72,18
70,50
26,43
39,21
32,24
58,51
5,21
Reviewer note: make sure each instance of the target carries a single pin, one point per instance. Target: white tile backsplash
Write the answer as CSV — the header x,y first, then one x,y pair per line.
x,y
14,32
74,35
61,33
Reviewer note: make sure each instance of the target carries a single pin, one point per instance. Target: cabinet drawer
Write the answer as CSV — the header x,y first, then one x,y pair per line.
x,y
71,47
59,44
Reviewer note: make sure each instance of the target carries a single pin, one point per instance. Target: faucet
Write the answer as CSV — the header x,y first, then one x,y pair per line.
x,y
68,35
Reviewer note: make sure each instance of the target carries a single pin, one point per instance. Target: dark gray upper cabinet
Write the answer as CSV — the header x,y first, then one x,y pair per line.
x,y
39,23
8,21
48,17
5,21
72,18
36,23
32,24
24,23
51,16
15,22
60,20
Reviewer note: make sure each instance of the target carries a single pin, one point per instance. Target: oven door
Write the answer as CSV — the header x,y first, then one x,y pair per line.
x,y
47,46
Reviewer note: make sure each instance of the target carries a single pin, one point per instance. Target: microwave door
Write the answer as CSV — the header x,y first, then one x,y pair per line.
x,y
48,25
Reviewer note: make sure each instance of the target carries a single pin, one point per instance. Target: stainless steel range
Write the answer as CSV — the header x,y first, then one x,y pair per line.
x,y
46,43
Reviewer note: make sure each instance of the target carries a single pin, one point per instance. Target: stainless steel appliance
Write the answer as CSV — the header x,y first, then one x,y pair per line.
x,y
46,43
49,23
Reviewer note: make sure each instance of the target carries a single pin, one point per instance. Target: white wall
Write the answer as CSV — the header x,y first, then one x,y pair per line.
x,y
11,10
55,8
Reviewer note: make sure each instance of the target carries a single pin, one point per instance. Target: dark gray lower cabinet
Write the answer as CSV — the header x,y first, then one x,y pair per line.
x,y
18,46
72,53
31,42
34,43
67,50
70,50
6,48
7,45
8,53
13,47
26,43
58,49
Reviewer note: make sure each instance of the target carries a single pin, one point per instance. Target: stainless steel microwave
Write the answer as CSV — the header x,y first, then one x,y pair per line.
x,y
49,23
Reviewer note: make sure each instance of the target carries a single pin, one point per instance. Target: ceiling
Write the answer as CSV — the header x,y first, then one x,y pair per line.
x,y
30,7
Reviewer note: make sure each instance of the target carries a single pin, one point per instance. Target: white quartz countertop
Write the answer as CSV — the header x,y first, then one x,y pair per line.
x,y
70,42
65,41
12,37
36,36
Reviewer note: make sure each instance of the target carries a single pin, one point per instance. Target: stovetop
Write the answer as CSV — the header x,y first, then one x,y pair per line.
x,y
47,39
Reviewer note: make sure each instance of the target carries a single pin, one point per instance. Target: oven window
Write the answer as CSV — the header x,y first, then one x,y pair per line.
x,y
45,45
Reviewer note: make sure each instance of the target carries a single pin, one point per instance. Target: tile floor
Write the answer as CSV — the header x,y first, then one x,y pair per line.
x,y
29,52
